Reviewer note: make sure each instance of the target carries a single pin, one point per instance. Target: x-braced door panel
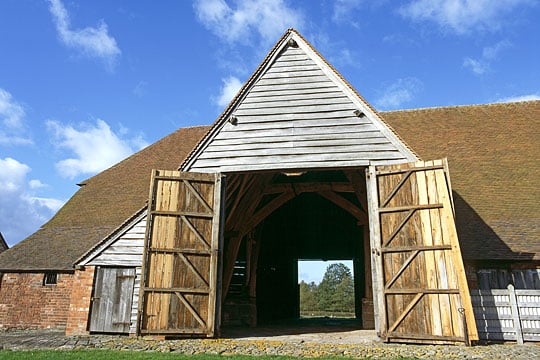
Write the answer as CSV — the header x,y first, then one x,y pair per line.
x,y
180,269
419,279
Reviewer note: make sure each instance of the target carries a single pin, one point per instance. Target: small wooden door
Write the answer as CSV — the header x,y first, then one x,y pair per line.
x,y
420,288
111,303
180,290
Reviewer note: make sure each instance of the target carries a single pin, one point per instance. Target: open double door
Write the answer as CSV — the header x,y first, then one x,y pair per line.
x,y
420,290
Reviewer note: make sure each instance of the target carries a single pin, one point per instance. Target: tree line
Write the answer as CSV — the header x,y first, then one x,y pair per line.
x,y
334,296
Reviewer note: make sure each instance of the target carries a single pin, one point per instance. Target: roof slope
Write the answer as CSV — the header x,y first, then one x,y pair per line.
x,y
494,158
103,203
296,111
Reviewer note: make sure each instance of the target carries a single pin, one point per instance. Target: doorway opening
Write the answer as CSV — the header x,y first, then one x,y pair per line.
x,y
326,289
309,215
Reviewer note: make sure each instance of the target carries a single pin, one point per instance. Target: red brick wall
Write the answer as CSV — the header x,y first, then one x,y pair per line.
x,y
25,303
79,307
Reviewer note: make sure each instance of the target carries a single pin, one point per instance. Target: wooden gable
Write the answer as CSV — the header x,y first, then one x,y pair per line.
x,y
296,112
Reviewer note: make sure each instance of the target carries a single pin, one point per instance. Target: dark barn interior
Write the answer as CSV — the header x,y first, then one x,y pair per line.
x,y
306,227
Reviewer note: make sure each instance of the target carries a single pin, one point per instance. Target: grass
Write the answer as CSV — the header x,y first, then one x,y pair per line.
x,y
329,314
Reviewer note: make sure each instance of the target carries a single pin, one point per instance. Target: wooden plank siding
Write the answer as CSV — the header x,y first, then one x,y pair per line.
x,y
295,115
125,251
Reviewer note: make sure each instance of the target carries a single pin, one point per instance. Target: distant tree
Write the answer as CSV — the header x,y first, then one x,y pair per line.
x,y
344,295
308,297
336,290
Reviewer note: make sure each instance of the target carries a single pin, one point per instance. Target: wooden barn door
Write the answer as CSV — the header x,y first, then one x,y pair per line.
x,y
420,288
179,292
111,302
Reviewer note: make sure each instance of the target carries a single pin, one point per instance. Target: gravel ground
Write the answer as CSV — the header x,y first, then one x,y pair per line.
x,y
327,345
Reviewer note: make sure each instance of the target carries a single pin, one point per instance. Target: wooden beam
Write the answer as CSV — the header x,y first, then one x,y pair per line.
x,y
246,207
358,183
267,210
309,187
246,180
346,205
406,312
401,269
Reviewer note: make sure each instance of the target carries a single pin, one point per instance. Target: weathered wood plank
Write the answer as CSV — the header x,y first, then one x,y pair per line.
x,y
296,110
281,96
242,145
289,133
300,150
301,91
337,116
286,104
314,79
293,123
305,158
366,137
307,65
290,56
294,87
293,74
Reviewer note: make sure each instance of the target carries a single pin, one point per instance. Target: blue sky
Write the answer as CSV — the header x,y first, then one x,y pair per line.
x,y
83,84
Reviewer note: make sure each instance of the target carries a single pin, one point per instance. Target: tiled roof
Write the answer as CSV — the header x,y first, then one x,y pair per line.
x,y
101,204
493,152
494,158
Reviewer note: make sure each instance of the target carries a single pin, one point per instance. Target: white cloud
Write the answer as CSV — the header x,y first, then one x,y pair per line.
x,y
462,16
267,18
140,89
231,85
400,92
479,67
12,125
344,9
518,98
36,184
91,41
95,147
19,202
492,52
489,53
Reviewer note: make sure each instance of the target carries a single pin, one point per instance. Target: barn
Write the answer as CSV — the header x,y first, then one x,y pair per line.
x,y
205,227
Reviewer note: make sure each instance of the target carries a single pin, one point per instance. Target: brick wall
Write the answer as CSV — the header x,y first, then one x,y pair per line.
x,y
79,307
25,303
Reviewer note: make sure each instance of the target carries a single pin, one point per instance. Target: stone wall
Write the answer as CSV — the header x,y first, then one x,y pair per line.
x,y
26,303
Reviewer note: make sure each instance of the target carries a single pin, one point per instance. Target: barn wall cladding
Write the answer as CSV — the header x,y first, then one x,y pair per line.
x,y
296,152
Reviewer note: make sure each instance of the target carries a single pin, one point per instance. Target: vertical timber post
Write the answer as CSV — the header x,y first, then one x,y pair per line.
x,y
375,244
